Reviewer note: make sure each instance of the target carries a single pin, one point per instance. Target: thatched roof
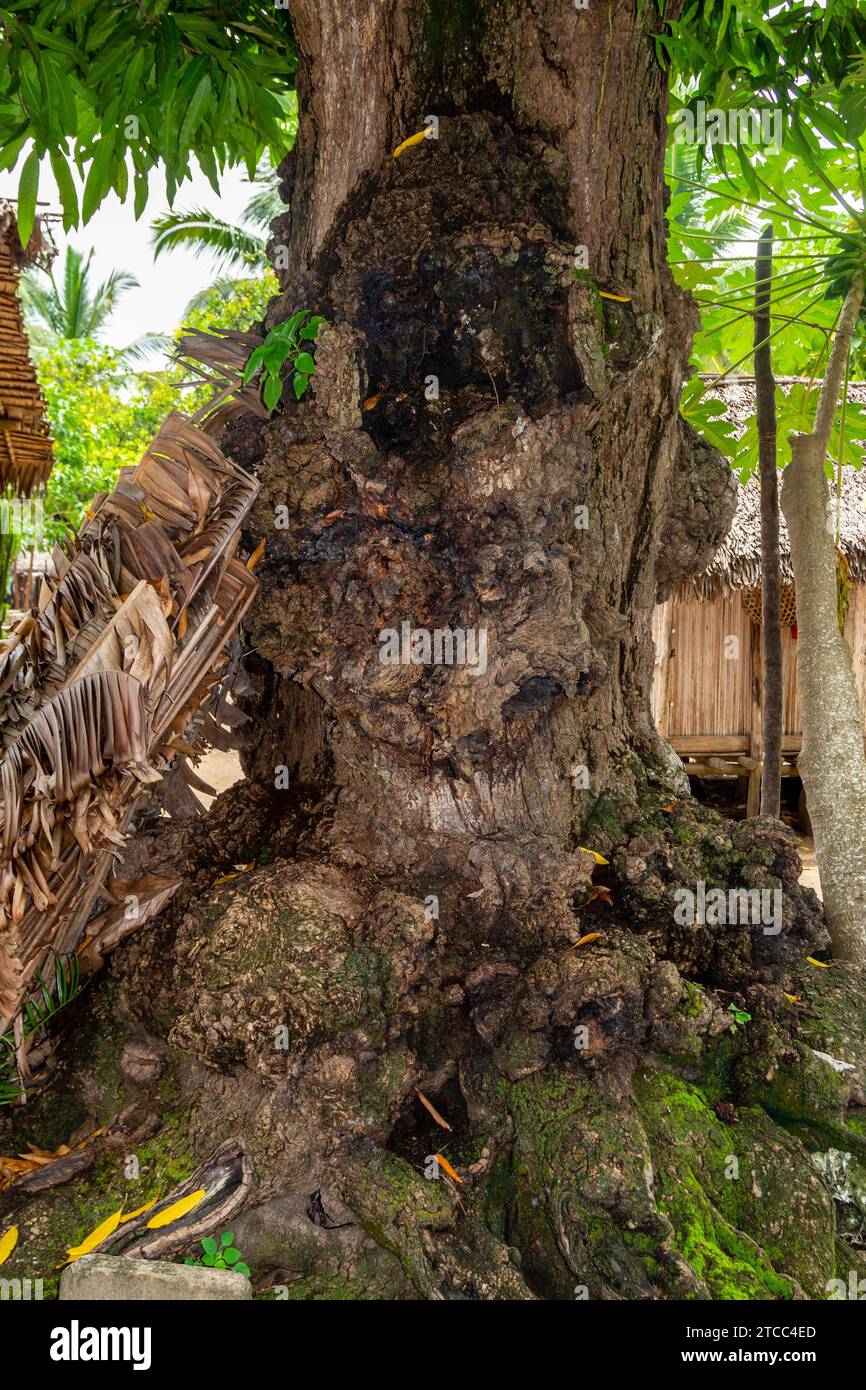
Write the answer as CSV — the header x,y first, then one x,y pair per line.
x,y
737,562
25,447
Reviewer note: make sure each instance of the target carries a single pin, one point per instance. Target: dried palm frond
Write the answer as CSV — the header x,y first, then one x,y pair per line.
x,y
111,679
219,360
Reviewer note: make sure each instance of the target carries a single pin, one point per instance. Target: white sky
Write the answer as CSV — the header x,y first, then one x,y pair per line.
x,y
121,243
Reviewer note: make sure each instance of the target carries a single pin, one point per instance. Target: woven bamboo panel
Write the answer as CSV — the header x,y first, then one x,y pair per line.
x,y
702,683
752,598
25,446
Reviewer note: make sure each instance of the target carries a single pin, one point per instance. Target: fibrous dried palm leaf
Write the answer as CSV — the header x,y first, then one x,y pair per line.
x,y
218,359
111,678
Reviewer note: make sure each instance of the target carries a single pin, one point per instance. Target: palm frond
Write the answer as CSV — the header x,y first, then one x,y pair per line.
x,y
147,345
224,288
76,308
203,232
43,1005
104,299
264,206
101,682
39,302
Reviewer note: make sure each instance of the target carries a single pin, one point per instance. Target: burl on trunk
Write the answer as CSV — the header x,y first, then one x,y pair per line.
x,y
490,468
477,496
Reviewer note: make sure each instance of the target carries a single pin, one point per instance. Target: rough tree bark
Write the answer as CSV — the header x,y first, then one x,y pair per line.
x,y
832,763
771,628
458,262
418,910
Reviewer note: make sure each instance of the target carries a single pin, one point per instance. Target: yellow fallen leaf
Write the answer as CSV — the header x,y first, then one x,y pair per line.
x,y
590,936
95,1238
443,1163
8,1243
599,858
224,878
793,998
130,1215
417,139
431,1108
176,1210
256,555
620,298
823,963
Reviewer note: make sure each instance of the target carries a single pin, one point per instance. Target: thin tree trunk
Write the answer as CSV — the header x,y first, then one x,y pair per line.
x,y
771,634
832,762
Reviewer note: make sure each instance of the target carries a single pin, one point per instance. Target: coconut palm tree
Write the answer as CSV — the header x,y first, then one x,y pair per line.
x,y
237,247
76,307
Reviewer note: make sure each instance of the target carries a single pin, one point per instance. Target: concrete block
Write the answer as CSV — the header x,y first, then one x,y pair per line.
x,y
111,1278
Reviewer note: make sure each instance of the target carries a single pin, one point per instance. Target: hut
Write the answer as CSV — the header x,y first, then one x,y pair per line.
x,y
25,446
706,696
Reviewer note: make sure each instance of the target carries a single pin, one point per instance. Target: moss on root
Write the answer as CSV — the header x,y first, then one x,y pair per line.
x,y
656,1196
53,1221
740,1197
393,1203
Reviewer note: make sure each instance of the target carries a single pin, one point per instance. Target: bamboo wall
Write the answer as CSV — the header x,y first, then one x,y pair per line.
x,y
697,690
25,448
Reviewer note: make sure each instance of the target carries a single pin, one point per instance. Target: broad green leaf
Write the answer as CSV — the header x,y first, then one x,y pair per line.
x,y
99,177
273,389
28,190
310,330
254,361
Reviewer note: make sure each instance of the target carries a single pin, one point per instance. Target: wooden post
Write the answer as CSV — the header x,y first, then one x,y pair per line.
x,y
753,799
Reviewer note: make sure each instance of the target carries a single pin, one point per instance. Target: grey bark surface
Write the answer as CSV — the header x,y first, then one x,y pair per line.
x,y
832,762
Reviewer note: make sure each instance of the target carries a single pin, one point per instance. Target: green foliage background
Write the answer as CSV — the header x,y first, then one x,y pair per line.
x,y
103,414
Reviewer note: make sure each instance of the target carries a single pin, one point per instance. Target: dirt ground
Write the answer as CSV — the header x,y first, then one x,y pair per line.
x,y
220,770
810,875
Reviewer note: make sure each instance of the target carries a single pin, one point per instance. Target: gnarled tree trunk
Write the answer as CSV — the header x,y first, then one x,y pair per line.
x,y
492,447
510,472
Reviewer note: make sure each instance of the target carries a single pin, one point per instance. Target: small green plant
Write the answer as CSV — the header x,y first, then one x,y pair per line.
x,y
37,1012
222,1255
285,343
738,1016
